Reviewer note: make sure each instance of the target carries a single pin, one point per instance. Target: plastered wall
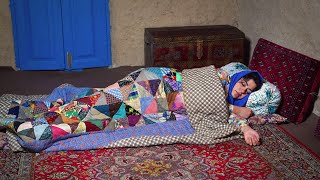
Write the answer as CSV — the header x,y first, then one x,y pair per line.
x,y
130,17
293,24
6,38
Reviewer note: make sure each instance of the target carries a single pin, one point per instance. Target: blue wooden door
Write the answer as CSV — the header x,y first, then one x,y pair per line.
x,y
61,34
86,33
38,38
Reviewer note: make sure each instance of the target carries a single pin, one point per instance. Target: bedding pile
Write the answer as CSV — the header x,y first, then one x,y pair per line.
x,y
150,106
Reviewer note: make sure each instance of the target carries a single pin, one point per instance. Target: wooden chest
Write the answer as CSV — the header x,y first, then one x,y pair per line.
x,y
193,46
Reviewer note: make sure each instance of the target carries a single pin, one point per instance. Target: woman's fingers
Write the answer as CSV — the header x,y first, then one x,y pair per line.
x,y
251,136
249,141
255,142
252,141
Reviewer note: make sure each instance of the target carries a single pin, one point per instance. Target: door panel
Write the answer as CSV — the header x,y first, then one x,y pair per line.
x,y
48,33
38,35
85,33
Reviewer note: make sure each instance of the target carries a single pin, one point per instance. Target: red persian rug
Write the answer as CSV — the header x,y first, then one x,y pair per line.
x,y
15,165
279,157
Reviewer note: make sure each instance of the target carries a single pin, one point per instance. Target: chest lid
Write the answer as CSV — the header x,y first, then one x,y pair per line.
x,y
192,33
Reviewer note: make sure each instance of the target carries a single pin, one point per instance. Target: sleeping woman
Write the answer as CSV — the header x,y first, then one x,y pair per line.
x,y
238,89
149,106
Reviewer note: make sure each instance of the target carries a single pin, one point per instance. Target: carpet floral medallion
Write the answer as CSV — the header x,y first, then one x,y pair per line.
x,y
279,157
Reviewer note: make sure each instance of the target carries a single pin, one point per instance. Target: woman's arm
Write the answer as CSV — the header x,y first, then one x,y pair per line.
x,y
250,136
242,111
238,118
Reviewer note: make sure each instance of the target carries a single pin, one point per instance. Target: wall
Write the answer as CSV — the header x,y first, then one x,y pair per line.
x,y
291,23
6,38
130,17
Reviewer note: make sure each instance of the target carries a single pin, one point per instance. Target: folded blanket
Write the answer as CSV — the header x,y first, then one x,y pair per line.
x,y
148,107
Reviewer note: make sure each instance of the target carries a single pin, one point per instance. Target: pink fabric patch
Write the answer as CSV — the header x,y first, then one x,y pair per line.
x,y
152,108
58,132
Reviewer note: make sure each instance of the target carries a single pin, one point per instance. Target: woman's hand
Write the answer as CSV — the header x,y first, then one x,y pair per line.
x,y
242,111
250,136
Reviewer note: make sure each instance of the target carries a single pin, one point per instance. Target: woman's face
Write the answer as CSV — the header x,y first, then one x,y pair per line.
x,y
242,88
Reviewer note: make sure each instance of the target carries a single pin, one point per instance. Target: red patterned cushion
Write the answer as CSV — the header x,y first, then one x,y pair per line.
x,y
296,75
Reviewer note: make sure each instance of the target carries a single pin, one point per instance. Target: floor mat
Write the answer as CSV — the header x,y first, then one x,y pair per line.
x,y
279,157
15,165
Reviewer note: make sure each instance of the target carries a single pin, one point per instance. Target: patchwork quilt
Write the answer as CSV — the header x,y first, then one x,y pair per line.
x,y
149,106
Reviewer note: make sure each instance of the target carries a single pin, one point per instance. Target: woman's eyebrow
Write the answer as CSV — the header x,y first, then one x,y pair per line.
x,y
246,82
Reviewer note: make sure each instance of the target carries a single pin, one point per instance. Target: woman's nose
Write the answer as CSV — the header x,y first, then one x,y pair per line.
x,y
243,90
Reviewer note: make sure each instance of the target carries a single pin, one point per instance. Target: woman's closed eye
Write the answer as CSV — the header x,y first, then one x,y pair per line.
x,y
245,85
